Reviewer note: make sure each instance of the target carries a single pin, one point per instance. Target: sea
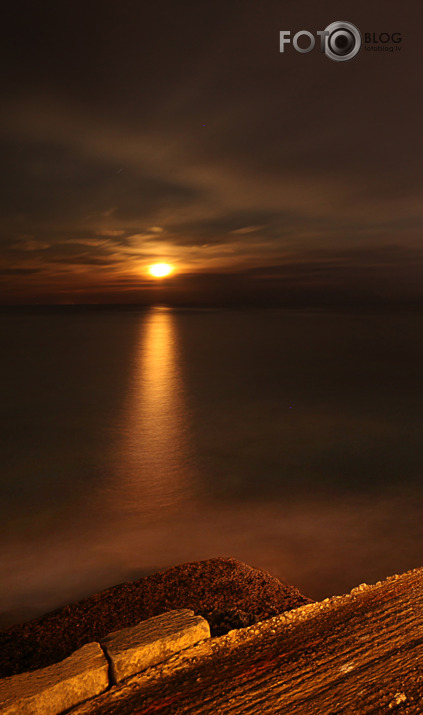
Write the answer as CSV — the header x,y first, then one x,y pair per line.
x,y
135,439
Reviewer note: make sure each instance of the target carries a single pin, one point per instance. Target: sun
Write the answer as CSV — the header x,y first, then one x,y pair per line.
x,y
160,270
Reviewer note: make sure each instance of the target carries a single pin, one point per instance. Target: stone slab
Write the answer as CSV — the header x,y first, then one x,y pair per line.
x,y
132,650
52,690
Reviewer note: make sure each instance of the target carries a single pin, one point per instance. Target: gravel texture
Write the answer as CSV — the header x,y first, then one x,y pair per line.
x,y
227,592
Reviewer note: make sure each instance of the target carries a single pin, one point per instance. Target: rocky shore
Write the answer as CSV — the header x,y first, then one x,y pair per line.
x,y
227,593
110,655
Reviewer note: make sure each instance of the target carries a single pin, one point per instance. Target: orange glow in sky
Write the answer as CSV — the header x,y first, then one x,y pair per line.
x,y
160,270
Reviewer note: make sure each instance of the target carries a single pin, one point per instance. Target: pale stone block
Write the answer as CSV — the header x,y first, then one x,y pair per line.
x,y
132,650
52,690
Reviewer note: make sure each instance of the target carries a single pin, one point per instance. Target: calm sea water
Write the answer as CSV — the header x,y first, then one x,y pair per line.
x,y
135,440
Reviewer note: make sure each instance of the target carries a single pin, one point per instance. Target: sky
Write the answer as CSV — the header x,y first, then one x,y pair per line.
x,y
134,133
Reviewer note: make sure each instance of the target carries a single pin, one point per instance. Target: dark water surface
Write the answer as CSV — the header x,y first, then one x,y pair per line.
x,y
135,440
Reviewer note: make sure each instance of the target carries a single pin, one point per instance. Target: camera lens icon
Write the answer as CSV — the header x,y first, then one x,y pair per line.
x,y
343,41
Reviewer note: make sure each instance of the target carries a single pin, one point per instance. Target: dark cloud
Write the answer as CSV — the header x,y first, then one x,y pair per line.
x,y
19,271
372,257
61,185
224,228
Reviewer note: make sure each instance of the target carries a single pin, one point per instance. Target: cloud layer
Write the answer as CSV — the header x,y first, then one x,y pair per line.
x,y
131,135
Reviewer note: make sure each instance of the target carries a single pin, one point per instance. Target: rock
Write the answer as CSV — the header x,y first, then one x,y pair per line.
x,y
132,650
223,620
54,689
222,590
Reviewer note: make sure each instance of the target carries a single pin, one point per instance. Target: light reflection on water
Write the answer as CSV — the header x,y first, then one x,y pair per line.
x,y
133,442
152,457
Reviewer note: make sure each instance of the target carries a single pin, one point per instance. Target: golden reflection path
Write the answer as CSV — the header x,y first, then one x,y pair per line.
x,y
154,453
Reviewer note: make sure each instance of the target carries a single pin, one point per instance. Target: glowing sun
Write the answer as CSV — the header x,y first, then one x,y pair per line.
x,y
160,270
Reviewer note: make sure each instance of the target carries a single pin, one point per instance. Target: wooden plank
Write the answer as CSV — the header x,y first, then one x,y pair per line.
x,y
358,653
